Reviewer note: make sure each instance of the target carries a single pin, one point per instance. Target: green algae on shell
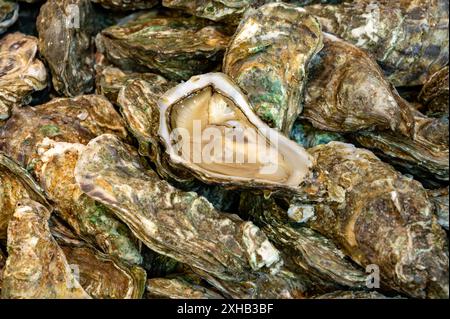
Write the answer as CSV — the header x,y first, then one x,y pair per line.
x,y
268,59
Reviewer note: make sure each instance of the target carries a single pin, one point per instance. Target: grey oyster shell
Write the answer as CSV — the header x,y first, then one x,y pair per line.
x,y
36,267
268,59
231,254
173,45
377,216
21,72
127,4
409,39
9,12
65,40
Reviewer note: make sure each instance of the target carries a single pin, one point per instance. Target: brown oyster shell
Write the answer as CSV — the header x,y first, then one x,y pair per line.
x,y
230,253
179,287
361,294
377,216
9,12
21,73
36,267
65,40
434,94
173,45
268,58
2,266
409,39
127,4
439,198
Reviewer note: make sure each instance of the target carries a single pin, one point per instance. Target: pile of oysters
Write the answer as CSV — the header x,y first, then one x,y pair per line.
x,y
224,149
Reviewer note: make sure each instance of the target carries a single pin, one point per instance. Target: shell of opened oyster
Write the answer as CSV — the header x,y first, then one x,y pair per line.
x,y
268,59
208,127
409,39
65,40
170,44
234,255
127,4
21,73
36,267
9,12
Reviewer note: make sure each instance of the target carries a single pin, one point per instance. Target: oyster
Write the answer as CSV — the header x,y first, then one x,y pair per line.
x,y
15,184
377,216
36,266
359,294
347,92
111,79
304,250
127,4
409,39
434,94
179,287
257,56
65,29
170,44
9,12
233,255
207,126
89,219
2,266
157,265
308,136
72,120
223,10
21,73
439,198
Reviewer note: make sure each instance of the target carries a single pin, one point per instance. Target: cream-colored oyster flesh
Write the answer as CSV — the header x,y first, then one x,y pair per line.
x,y
219,138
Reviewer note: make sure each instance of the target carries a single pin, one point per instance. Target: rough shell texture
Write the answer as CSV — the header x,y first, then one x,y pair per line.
x,y
439,198
347,92
72,120
434,94
352,295
377,216
234,255
2,266
173,45
65,40
21,73
408,38
268,58
36,266
308,136
179,287
89,219
127,4
9,12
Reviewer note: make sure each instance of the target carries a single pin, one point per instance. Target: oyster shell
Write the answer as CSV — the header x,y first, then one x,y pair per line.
x,y
36,266
308,136
233,255
89,219
127,4
347,92
179,287
2,266
9,12
65,40
434,94
377,216
361,294
439,198
409,39
207,127
256,60
173,45
21,73
72,120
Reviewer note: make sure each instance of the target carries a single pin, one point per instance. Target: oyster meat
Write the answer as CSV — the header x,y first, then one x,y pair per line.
x,y
434,94
173,45
379,217
256,60
208,127
127,4
9,12
409,39
36,267
65,40
21,73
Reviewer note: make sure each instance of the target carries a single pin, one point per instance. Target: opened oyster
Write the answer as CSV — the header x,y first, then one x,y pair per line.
x,y
9,12
21,73
36,266
409,39
173,45
207,126
256,60
127,4
65,30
